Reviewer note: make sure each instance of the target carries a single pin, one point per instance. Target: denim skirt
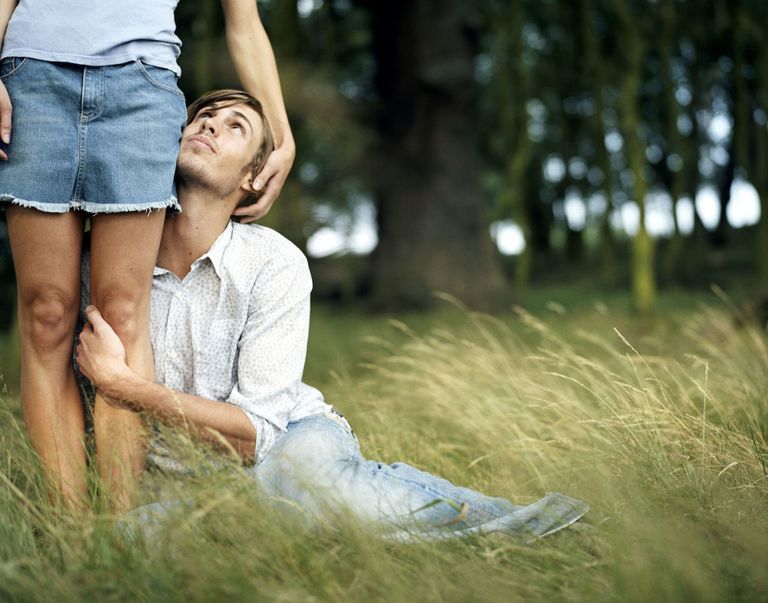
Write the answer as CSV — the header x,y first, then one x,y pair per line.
x,y
96,139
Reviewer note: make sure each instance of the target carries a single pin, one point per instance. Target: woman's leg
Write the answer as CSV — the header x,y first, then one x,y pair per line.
x,y
123,254
46,253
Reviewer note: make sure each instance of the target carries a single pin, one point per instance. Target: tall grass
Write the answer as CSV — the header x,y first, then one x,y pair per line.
x,y
662,429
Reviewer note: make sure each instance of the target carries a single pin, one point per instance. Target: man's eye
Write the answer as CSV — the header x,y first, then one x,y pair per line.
x,y
203,114
239,127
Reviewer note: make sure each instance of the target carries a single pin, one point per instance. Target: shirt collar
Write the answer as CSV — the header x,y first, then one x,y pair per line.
x,y
215,254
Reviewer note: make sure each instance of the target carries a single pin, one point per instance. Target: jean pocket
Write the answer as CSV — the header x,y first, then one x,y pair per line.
x,y
340,420
11,66
164,79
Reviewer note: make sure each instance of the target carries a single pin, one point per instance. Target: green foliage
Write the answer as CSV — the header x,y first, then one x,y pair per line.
x,y
661,425
9,359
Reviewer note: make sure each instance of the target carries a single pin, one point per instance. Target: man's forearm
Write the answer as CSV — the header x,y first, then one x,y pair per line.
x,y
207,419
254,62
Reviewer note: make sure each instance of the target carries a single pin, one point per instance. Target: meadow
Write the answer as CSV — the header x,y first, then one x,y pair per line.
x,y
660,423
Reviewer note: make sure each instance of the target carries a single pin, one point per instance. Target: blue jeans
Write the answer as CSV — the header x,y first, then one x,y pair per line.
x,y
318,466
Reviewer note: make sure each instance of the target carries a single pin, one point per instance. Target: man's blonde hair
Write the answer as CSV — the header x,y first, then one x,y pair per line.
x,y
218,99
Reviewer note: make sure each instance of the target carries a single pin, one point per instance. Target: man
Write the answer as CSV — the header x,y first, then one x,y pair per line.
x,y
230,315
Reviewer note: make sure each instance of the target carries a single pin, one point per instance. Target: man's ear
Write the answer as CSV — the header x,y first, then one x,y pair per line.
x,y
247,181
246,186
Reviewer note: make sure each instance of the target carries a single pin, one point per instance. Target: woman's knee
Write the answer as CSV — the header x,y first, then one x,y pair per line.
x,y
47,318
126,311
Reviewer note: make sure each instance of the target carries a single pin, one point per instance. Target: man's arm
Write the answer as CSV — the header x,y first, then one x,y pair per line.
x,y
101,357
255,64
273,345
6,10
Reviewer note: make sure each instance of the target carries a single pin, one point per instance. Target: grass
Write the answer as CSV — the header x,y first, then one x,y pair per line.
x,y
660,424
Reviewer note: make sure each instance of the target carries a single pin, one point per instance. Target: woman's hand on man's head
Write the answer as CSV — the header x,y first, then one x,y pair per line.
x,y
269,182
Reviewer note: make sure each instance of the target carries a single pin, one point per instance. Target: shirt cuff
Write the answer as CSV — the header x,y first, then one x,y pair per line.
x,y
266,435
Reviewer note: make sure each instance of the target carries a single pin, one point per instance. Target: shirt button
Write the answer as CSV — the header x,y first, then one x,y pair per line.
x,y
171,354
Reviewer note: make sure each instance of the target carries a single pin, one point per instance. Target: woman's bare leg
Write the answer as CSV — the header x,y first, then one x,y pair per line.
x,y
46,254
123,254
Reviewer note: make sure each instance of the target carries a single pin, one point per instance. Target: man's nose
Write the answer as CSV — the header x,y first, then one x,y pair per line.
x,y
210,125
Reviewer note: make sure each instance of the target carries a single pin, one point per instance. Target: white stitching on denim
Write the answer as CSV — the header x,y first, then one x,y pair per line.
x,y
145,72
16,68
91,208
111,208
55,208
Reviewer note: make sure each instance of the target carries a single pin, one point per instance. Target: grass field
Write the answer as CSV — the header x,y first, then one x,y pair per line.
x,y
660,423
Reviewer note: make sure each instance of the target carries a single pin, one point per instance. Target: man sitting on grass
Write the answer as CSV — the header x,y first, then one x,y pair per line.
x,y
229,324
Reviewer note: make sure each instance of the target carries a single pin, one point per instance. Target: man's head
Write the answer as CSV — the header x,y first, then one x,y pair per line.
x,y
225,143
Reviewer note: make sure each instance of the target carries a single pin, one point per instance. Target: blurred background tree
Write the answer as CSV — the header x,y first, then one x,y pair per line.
x,y
486,147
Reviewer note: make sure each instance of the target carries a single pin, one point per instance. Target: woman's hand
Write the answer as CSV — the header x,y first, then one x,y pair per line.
x,y
6,110
269,182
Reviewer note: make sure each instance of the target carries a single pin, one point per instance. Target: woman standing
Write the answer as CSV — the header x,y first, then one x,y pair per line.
x,y
90,119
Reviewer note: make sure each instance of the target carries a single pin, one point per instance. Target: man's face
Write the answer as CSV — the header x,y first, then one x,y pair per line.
x,y
217,147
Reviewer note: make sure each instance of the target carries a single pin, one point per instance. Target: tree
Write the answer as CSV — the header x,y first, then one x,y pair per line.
x,y
432,218
643,278
595,72
511,144
759,34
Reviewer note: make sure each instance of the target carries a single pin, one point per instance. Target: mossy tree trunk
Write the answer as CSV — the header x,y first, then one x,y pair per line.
x,y
642,267
513,90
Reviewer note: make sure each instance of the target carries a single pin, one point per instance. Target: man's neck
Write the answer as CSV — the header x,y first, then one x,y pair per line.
x,y
190,234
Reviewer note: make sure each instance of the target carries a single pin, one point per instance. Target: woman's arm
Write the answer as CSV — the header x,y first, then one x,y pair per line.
x,y
255,64
6,10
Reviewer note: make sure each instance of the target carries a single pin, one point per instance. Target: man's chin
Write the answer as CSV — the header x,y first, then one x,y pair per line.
x,y
191,169
196,177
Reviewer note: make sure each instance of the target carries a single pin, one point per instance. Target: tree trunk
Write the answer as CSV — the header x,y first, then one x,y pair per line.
x,y
760,175
290,216
695,245
719,236
738,161
205,26
512,81
673,179
595,77
643,278
433,229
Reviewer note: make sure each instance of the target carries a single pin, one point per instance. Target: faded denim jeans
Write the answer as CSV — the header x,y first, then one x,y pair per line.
x,y
317,466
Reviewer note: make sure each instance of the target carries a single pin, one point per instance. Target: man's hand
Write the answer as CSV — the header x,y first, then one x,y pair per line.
x,y
101,354
269,182
5,119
